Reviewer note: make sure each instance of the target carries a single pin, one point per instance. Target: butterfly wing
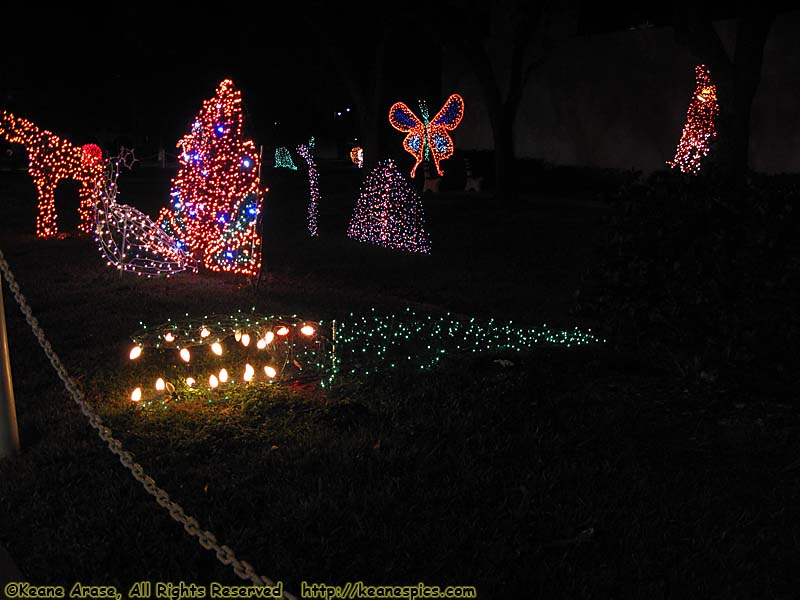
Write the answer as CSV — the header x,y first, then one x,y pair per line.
x,y
445,120
402,119
451,114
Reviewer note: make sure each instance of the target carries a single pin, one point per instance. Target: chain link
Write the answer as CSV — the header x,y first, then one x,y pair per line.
x,y
206,539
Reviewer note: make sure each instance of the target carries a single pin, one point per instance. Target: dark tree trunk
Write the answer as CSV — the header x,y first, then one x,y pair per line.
x,y
502,114
748,60
505,171
502,101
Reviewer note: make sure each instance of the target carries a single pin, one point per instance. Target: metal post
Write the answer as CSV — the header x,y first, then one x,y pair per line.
x,y
9,435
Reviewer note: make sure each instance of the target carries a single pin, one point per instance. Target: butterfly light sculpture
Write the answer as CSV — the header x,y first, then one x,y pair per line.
x,y
428,137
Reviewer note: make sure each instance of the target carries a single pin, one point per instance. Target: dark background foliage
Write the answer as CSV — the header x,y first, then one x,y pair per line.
x,y
703,283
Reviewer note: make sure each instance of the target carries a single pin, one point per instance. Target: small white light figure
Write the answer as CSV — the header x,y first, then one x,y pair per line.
x,y
169,337
204,333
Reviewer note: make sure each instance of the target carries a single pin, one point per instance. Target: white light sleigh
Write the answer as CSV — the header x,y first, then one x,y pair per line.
x,y
127,238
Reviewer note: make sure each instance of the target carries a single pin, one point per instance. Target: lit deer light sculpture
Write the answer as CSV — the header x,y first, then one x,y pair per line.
x,y
50,159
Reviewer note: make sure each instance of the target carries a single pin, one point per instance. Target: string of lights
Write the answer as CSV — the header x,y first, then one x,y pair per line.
x,y
373,342
699,130
127,238
389,212
216,196
220,351
424,137
50,159
306,152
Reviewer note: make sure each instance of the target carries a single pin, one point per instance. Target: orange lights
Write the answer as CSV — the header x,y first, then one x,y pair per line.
x,y
136,395
270,349
135,352
357,156
50,159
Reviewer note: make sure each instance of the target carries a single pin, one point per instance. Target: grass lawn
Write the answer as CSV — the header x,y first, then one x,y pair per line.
x,y
575,473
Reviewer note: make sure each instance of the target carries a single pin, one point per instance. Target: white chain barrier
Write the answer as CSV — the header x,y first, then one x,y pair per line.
x,y
206,539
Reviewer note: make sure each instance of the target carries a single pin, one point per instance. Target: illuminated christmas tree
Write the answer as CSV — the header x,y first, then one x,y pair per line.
x,y
389,212
216,195
699,129
283,159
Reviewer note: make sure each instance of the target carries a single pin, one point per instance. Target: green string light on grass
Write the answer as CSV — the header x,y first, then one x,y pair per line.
x,y
373,342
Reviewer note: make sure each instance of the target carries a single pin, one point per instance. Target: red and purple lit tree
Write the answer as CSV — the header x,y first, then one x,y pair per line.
x,y
216,195
389,212
700,129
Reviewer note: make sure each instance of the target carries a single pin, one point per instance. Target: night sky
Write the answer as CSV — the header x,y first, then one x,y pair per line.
x,y
139,74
